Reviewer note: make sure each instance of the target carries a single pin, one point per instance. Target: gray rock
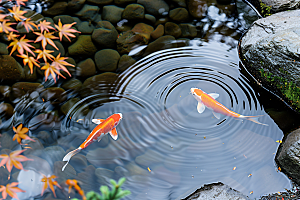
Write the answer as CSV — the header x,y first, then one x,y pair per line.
x,y
107,60
123,2
86,28
272,46
217,191
86,68
129,40
279,5
58,8
6,110
22,88
10,70
112,14
155,7
84,46
88,12
72,85
134,12
65,19
105,35
172,29
188,30
288,156
164,42
179,14
55,95
100,2
124,62
75,5
4,92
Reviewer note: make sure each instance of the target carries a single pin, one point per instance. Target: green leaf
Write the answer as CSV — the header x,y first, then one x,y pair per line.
x,y
121,181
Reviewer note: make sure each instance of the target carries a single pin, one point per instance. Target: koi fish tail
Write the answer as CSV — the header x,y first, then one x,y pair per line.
x,y
253,119
69,156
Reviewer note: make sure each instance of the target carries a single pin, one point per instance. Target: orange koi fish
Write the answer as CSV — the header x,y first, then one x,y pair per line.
x,y
104,127
208,100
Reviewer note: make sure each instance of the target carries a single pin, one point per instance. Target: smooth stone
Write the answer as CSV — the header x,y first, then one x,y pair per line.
x,y
72,85
71,68
88,12
6,141
53,153
112,14
20,89
123,2
105,35
103,175
30,77
107,60
61,49
150,19
224,2
3,49
180,3
172,29
188,30
48,121
197,8
79,162
125,62
68,105
75,5
278,5
55,95
86,28
179,14
143,29
134,12
4,92
164,42
64,19
68,173
158,32
86,68
57,9
100,2
155,7
10,70
130,40
84,46
6,110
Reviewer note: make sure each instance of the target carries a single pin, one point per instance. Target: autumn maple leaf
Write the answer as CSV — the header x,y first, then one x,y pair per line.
x,y
17,13
5,27
12,36
49,181
44,54
74,183
20,134
66,30
13,159
30,60
21,45
44,25
21,2
51,69
59,63
11,190
28,24
2,16
46,38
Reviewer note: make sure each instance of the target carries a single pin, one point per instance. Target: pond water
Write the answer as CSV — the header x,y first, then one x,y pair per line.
x,y
165,148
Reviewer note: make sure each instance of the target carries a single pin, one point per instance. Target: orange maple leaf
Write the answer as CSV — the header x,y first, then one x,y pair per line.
x,y
30,60
44,25
48,181
20,134
5,27
12,36
21,45
66,30
59,63
51,69
2,16
44,54
13,159
46,38
17,13
21,2
11,190
74,183
28,24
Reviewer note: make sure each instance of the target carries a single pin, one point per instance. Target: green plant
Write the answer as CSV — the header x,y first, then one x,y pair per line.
x,y
265,10
115,193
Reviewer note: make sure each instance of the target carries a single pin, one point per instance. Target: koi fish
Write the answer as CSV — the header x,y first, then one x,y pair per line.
x,y
104,127
208,100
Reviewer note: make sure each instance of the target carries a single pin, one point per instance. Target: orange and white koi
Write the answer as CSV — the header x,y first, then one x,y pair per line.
x,y
208,100
104,127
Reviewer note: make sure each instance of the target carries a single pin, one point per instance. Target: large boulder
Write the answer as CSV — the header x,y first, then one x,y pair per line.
x,y
277,5
107,60
155,7
105,35
84,46
112,14
10,70
288,156
270,50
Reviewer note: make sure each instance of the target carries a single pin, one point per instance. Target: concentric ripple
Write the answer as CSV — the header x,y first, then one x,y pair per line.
x,y
166,149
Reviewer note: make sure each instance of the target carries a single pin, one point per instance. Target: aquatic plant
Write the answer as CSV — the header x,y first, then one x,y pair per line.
x,y
114,194
265,10
44,36
11,190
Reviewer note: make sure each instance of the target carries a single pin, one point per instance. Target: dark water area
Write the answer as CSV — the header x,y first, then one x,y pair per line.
x,y
165,149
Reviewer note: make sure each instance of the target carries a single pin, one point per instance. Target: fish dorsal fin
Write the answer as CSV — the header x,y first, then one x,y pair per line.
x,y
217,115
113,133
97,121
214,95
200,107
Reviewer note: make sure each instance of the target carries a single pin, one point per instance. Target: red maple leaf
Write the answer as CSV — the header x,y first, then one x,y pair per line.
x,y
49,181
13,159
66,30
11,190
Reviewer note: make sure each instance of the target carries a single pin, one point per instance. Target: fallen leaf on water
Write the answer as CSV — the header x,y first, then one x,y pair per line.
x,y
149,169
279,168
234,168
11,190
13,159
249,175
251,192
48,181
74,183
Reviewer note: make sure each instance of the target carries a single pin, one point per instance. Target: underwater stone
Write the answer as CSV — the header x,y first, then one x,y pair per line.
x,y
68,173
3,49
164,42
75,5
68,105
180,3
197,8
150,19
86,68
143,29
85,28
64,19
188,30
100,2
4,92
112,14
61,49
30,77
105,35
10,70
155,7
88,12
107,60
129,40
288,155
134,12
104,175
125,62
22,88
179,14
6,110
158,32
5,141
172,29
122,2
72,85
55,95
57,9
83,46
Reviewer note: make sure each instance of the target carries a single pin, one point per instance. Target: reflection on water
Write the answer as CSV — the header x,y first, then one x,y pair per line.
x,y
162,129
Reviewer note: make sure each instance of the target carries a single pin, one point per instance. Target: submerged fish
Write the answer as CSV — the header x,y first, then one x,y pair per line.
x,y
208,100
104,127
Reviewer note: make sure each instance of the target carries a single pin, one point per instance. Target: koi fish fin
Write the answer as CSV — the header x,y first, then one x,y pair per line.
x,y
97,121
69,156
200,107
217,115
214,95
113,133
253,119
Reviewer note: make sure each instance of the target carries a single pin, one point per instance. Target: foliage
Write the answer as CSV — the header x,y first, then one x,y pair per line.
x,y
11,190
13,159
265,10
49,182
44,36
21,134
114,194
